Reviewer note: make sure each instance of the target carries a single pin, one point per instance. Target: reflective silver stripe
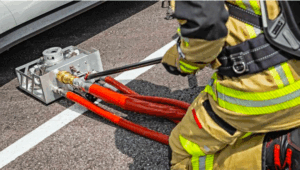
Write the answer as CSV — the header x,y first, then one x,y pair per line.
x,y
282,75
257,31
202,162
248,6
252,103
211,82
186,39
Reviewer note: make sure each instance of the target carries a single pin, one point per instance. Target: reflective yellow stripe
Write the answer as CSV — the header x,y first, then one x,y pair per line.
x,y
185,69
186,43
209,162
250,30
288,72
276,77
179,31
188,66
259,96
246,135
240,4
282,74
214,76
191,147
208,89
195,162
252,7
198,156
253,103
259,110
256,103
255,6
185,40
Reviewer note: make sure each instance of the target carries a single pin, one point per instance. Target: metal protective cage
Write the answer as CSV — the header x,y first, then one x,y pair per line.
x,y
42,86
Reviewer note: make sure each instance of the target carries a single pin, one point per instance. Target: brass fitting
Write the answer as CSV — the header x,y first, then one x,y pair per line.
x,y
65,77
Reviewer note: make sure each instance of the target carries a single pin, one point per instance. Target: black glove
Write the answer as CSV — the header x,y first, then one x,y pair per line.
x,y
173,70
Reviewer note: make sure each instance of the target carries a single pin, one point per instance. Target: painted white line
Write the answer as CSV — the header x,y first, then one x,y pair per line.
x,y
54,124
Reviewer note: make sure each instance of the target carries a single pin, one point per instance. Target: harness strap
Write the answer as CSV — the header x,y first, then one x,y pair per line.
x,y
245,16
249,57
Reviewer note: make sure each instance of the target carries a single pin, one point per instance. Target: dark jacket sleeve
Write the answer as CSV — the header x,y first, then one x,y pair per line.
x,y
205,19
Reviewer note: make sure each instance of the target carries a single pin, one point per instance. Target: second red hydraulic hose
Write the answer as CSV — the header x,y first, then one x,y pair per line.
x,y
138,129
136,105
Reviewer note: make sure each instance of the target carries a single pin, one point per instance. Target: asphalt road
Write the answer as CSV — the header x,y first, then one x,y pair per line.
x,y
124,33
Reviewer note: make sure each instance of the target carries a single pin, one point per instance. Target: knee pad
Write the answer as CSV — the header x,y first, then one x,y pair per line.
x,y
281,150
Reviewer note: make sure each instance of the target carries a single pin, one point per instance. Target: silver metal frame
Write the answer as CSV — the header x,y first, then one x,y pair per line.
x,y
84,62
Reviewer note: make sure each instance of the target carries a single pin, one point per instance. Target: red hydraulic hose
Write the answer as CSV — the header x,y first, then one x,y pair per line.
x,y
151,109
136,105
142,109
152,99
119,85
138,129
131,93
173,102
108,95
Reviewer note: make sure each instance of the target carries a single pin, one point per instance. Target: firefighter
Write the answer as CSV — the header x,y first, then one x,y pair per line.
x,y
255,89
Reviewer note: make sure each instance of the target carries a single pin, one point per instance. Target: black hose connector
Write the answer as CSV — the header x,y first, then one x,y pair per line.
x,y
90,97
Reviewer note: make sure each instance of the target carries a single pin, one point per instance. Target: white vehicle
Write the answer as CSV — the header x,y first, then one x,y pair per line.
x,y
20,20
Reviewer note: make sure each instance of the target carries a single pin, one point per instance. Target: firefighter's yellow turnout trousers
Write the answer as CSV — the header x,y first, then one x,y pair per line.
x,y
224,127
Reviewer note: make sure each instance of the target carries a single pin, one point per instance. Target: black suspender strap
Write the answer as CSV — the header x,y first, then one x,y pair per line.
x,y
244,15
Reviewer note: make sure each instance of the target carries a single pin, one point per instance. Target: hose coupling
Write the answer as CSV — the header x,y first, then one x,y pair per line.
x,y
65,77
82,84
59,91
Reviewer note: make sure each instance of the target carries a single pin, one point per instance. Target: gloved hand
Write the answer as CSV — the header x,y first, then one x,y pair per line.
x,y
175,64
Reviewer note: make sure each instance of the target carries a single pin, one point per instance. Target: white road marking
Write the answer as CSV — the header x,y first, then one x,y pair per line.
x,y
36,136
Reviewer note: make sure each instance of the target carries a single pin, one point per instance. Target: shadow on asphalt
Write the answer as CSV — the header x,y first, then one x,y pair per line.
x,y
71,32
148,154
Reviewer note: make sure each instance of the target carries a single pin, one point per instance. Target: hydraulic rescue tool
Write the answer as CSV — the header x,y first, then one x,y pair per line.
x,y
69,72
38,78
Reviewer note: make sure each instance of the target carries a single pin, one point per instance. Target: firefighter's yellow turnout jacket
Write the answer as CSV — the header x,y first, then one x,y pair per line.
x,y
225,125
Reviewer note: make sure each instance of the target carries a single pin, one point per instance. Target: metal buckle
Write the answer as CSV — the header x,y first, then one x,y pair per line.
x,y
239,65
